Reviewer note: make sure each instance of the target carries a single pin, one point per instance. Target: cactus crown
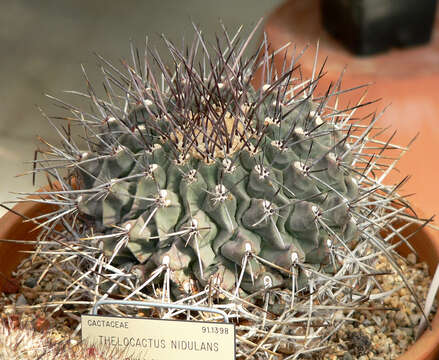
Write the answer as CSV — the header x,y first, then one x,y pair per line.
x,y
226,182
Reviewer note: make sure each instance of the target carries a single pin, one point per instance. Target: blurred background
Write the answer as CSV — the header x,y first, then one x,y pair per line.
x,y
44,42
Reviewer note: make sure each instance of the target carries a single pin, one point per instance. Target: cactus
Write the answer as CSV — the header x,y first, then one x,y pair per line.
x,y
244,172
225,182
27,344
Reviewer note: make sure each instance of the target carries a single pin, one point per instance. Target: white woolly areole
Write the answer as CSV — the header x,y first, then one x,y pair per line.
x,y
191,175
299,166
248,247
279,145
263,172
166,260
220,189
315,209
182,157
332,156
299,131
265,87
162,196
268,120
319,120
294,257
120,148
128,227
267,205
316,117
227,163
267,281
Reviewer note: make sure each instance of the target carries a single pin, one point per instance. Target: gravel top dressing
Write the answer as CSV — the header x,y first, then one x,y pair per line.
x,y
377,334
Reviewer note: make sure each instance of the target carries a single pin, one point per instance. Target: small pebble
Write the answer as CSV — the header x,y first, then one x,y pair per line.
x,y
30,282
347,356
408,331
411,258
21,300
415,318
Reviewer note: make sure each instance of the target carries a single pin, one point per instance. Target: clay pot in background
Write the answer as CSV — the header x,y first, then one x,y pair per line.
x,y
15,227
407,80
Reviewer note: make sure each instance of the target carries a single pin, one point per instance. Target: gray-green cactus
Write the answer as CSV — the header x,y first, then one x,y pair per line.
x,y
244,172
225,183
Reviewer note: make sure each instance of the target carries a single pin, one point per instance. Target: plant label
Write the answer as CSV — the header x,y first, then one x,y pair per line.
x,y
154,339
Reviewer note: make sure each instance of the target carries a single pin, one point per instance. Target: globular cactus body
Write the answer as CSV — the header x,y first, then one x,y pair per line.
x,y
242,172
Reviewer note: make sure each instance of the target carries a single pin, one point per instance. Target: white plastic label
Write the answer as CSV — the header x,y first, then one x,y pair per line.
x,y
154,339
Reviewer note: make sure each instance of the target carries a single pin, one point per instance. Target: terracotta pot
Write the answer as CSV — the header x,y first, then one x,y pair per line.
x,y
14,227
405,79
426,243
